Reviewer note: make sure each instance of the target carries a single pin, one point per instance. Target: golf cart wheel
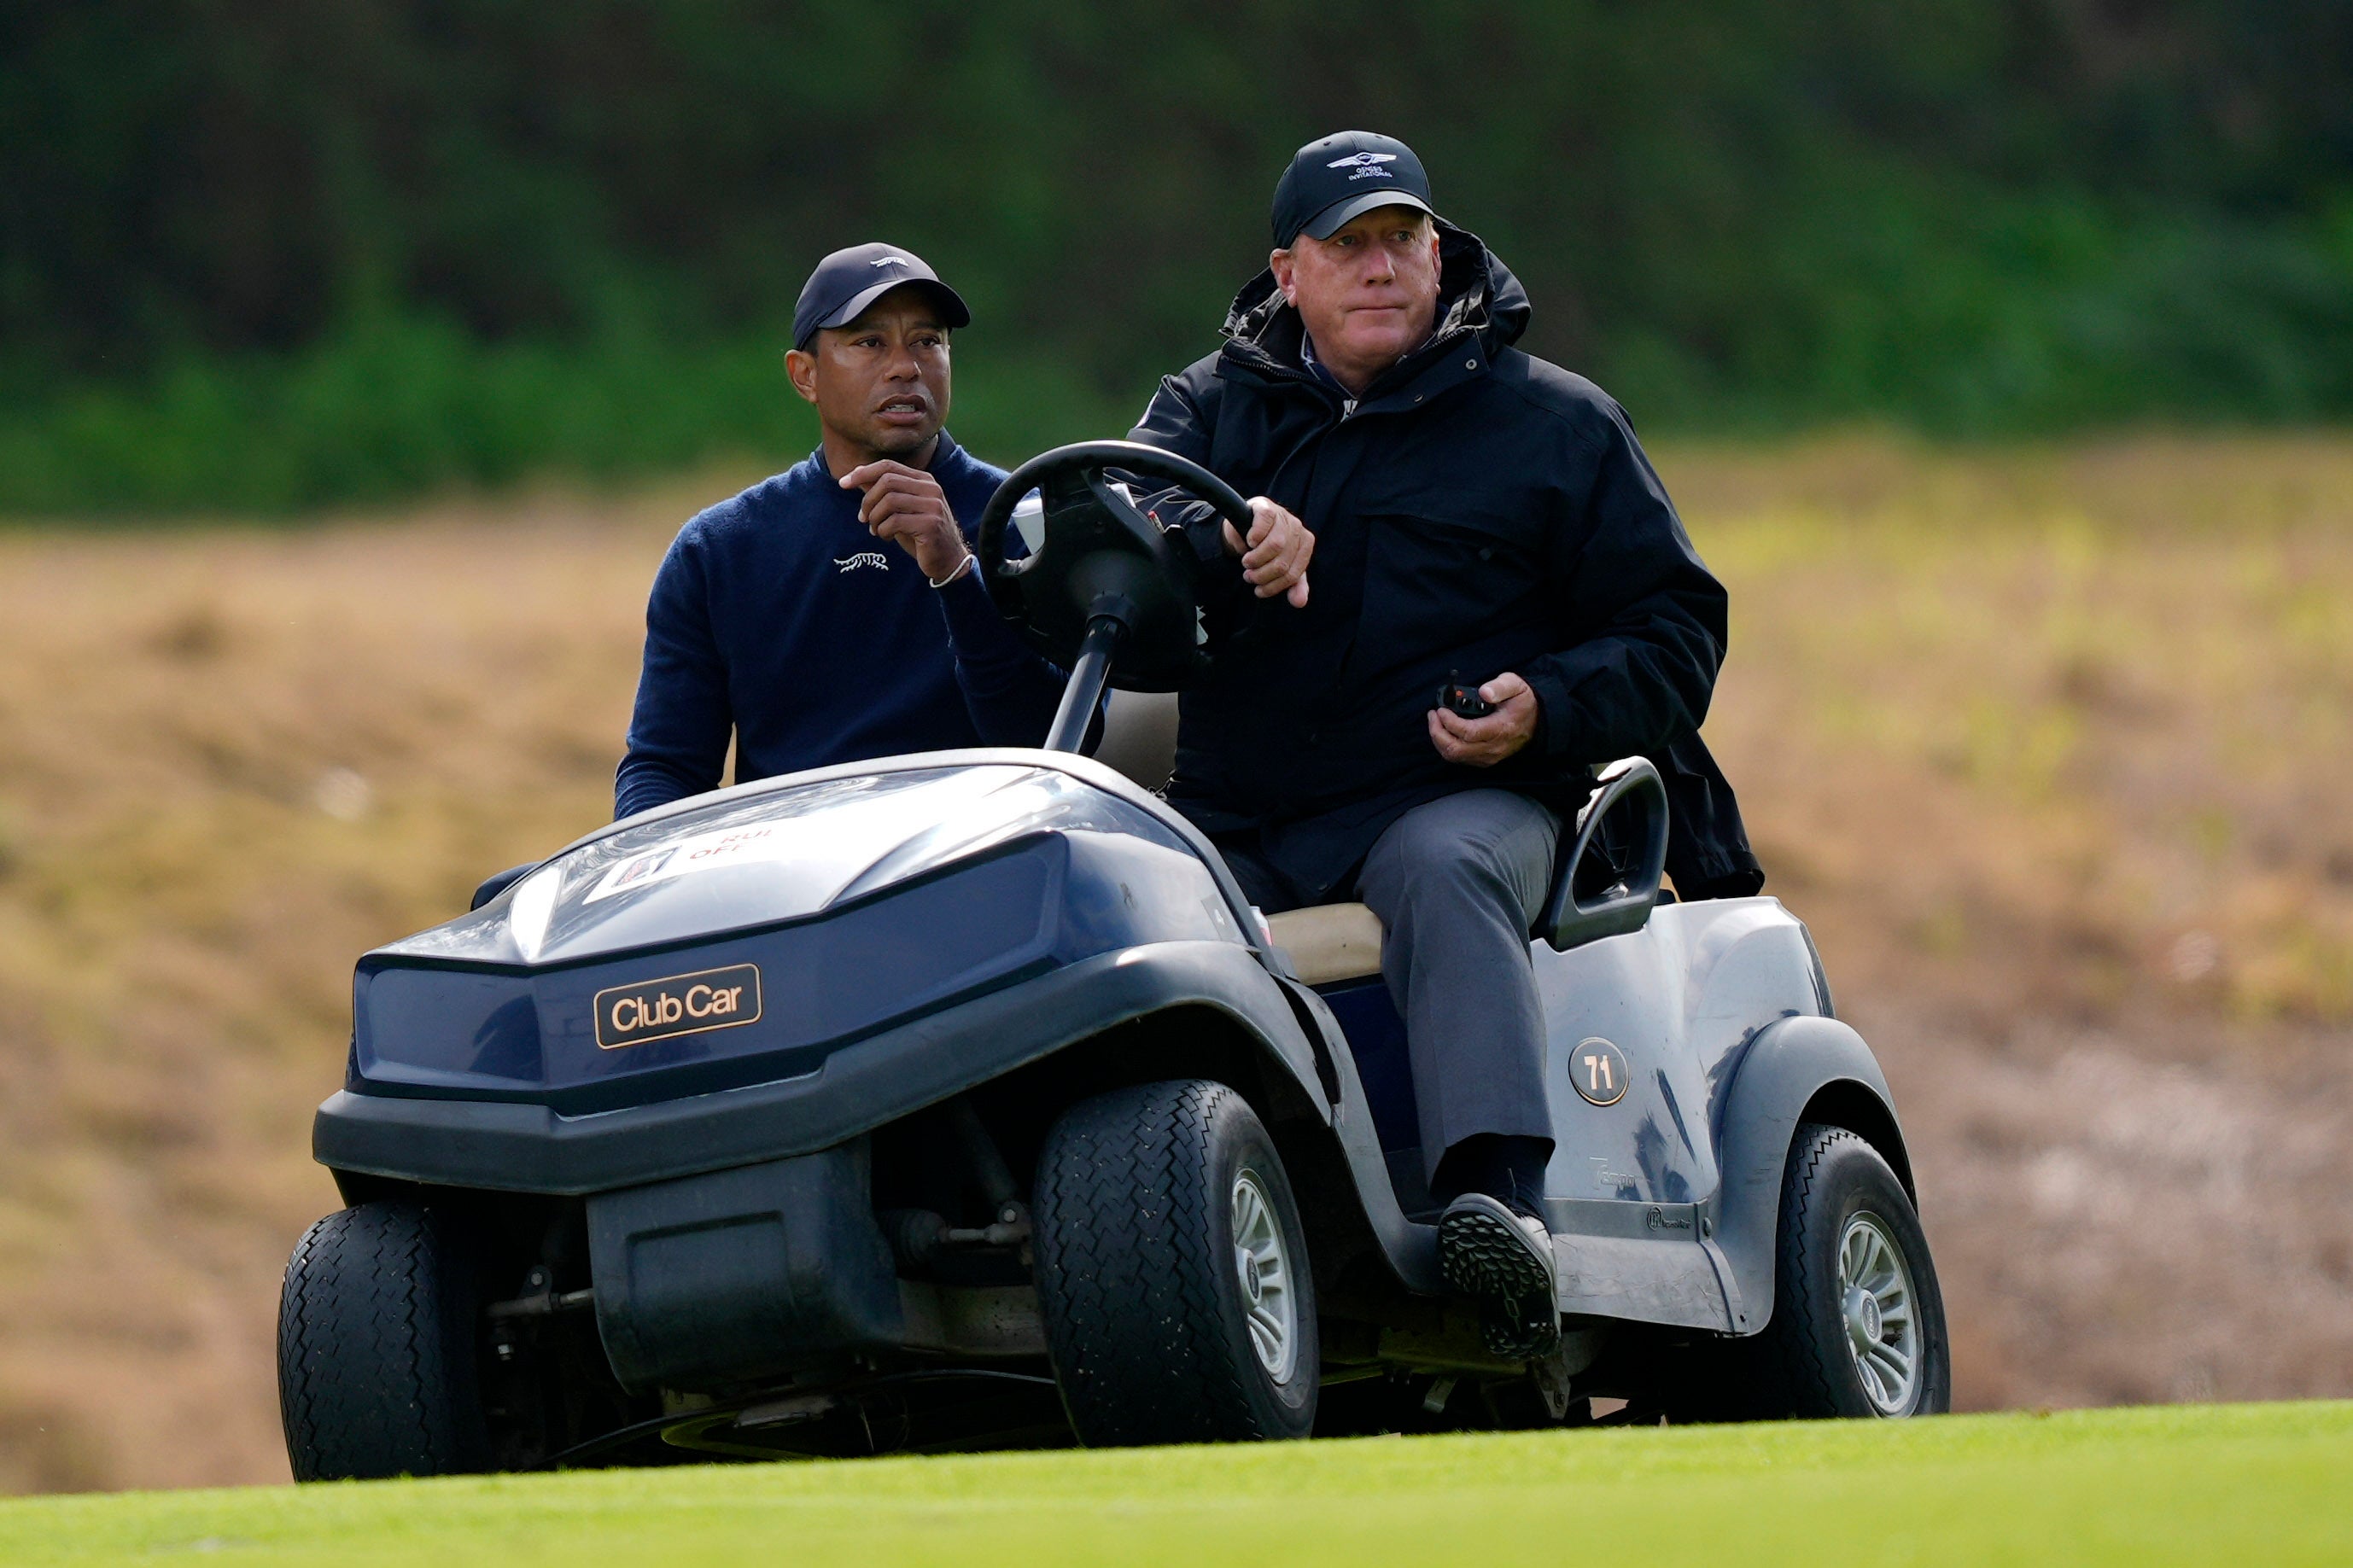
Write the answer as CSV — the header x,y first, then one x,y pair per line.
x,y
1858,1324
1172,1270
377,1375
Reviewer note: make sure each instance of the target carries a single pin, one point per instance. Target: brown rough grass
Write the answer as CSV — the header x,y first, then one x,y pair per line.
x,y
2049,747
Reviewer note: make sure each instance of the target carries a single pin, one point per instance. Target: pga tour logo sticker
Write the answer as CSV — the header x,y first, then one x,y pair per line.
x,y
1364,165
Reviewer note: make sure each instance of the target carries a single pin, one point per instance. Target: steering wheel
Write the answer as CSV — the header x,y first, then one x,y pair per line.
x,y
1104,560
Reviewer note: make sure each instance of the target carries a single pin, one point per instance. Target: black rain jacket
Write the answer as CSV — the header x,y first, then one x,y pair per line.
x,y
1478,511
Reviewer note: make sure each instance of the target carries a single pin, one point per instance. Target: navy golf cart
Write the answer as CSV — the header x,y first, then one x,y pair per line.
x,y
961,1099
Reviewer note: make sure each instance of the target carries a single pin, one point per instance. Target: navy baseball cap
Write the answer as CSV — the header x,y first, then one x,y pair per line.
x,y
847,281
1331,181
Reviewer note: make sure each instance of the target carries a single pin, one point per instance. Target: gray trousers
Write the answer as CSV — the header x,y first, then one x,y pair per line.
x,y
1457,882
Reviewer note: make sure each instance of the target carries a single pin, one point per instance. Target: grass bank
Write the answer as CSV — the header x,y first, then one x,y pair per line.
x,y
2210,1484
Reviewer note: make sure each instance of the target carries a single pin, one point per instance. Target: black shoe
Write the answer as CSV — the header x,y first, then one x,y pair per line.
x,y
1503,1255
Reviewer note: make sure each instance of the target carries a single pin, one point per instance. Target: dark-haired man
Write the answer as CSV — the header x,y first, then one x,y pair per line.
x,y
831,613
1468,509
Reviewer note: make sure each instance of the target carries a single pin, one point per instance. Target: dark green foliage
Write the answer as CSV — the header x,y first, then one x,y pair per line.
x,y
271,255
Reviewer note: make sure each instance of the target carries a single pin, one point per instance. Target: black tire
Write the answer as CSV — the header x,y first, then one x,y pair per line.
x,y
377,1369
1804,1363
1147,1321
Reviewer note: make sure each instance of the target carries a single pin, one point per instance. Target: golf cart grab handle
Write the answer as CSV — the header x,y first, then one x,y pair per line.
x,y
1133,455
1629,786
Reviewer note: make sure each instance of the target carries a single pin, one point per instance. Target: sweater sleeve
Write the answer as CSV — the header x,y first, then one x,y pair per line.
x,y
680,730
1646,617
1011,692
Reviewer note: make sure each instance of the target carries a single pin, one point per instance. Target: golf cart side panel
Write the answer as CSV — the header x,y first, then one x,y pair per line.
x,y
1641,1030
520,1147
1784,1067
1410,1249
1677,999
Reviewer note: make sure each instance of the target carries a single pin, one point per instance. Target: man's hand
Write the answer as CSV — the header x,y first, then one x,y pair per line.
x,y
907,507
1484,742
1275,555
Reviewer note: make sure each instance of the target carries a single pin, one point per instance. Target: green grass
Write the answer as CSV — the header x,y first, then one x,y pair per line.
x,y
2269,1484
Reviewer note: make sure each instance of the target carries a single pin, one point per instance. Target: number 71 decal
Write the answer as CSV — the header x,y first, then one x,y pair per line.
x,y
1597,1070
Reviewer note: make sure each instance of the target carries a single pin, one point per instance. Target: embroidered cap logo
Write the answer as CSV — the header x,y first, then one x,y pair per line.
x,y
1364,165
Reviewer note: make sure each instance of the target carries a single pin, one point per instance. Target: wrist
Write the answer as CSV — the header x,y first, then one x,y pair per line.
x,y
955,572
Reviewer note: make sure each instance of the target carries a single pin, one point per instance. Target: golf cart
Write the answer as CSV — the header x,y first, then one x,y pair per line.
x,y
962,1100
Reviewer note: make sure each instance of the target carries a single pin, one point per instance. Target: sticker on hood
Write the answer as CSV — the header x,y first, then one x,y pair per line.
x,y
734,846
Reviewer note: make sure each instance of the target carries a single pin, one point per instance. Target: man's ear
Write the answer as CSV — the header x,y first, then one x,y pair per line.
x,y
800,368
1281,261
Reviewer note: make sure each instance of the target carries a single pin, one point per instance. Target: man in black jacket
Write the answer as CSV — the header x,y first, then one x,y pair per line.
x,y
1469,510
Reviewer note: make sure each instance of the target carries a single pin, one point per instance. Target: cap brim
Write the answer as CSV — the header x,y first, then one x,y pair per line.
x,y
953,311
1324,225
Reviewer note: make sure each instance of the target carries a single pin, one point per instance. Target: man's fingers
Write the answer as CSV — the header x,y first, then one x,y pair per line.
x,y
1439,738
1451,747
1474,742
1273,556
1275,553
858,478
882,508
920,489
1288,544
1278,575
1502,689
1263,516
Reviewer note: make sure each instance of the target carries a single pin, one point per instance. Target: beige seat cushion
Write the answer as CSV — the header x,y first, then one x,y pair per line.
x,y
1329,942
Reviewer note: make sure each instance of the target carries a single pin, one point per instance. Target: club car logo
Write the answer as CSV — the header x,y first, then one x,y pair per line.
x,y
681,1005
1364,165
1596,1069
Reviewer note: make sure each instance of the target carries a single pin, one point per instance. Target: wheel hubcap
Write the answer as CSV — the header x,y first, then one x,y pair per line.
x,y
1262,1269
1882,1334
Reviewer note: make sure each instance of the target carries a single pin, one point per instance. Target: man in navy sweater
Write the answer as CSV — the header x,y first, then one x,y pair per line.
x,y
834,613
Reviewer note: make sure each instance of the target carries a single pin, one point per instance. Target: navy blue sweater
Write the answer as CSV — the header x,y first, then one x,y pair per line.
x,y
777,618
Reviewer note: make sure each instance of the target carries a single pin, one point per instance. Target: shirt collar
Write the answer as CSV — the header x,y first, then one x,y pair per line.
x,y
1315,368
943,457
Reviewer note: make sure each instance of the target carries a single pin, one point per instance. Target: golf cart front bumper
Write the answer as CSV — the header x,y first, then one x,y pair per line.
x,y
532,1148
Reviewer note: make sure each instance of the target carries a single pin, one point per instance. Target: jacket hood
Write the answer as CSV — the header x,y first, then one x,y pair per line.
x,y
1477,297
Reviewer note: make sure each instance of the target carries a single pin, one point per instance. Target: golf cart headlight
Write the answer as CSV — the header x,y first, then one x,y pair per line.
x,y
530,907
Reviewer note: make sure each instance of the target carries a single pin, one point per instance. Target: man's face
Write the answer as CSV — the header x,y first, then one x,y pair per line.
x,y
879,383
1369,294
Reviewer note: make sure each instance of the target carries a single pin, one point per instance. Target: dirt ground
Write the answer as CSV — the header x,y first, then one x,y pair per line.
x,y
2049,746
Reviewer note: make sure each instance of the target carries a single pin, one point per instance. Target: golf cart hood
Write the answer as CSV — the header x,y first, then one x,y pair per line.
x,y
742,936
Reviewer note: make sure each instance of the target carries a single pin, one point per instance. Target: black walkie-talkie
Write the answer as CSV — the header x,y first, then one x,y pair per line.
x,y
1462,700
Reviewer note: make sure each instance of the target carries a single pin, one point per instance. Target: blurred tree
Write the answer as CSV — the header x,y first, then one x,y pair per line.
x,y
1964,213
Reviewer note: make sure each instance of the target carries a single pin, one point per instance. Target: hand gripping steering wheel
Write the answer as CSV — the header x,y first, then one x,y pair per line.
x,y
1108,583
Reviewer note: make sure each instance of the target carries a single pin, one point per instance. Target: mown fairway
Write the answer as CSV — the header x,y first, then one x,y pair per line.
x,y
2211,1484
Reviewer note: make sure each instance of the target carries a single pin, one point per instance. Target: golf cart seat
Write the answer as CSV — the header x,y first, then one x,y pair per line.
x,y
1328,943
